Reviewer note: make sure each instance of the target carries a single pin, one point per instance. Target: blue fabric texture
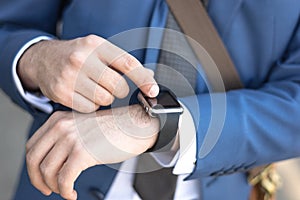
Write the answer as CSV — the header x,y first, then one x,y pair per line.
x,y
263,39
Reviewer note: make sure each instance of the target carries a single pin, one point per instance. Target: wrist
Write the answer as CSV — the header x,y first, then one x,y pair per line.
x,y
167,109
131,129
26,68
142,119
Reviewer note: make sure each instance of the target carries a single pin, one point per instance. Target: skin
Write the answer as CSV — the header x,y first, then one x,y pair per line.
x,y
63,147
82,73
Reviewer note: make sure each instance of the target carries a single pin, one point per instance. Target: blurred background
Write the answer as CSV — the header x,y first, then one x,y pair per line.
x,y
14,124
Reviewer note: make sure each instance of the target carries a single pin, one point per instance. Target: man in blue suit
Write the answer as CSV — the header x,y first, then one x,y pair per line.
x,y
40,58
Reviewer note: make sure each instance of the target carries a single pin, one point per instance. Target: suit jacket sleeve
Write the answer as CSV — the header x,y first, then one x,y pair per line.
x,y
261,125
20,22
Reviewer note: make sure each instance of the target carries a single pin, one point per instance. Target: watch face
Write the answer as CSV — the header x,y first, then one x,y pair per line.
x,y
164,103
164,99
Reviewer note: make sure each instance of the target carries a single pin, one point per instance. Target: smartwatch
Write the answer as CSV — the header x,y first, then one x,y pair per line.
x,y
166,107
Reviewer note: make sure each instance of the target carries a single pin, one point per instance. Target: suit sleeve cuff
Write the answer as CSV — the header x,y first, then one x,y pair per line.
x,y
39,102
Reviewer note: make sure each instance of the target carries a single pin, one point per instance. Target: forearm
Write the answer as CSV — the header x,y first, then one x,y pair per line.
x,y
127,126
258,128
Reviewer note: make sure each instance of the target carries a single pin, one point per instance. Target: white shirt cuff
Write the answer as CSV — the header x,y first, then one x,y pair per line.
x,y
41,103
185,158
188,146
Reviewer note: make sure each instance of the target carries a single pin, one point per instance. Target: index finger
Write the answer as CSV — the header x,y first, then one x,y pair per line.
x,y
123,62
72,168
66,178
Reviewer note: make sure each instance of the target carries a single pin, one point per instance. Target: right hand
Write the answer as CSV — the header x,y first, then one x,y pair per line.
x,y
83,73
70,142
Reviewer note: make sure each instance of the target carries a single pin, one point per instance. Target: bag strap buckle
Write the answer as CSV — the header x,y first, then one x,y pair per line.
x,y
266,180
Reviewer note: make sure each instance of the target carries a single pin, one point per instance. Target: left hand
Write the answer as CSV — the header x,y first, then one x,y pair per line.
x,y
69,143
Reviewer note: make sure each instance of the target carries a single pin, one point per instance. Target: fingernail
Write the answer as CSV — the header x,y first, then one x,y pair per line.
x,y
47,193
154,90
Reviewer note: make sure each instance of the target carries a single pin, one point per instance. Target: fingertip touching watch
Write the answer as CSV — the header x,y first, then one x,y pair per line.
x,y
167,108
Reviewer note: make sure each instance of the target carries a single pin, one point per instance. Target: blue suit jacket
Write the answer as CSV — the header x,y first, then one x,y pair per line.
x,y
263,39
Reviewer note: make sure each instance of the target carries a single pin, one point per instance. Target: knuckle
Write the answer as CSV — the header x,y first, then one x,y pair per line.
x,y
129,62
62,125
76,59
77,151
121,87
116,80
31,160
62,184
92,40
98,96
70,138
106,99
44,168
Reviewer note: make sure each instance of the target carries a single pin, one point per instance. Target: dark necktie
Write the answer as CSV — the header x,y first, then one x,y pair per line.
x,y
174,71
161,184
156,184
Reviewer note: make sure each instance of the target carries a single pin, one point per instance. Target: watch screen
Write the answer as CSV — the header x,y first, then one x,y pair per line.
x,y
165,99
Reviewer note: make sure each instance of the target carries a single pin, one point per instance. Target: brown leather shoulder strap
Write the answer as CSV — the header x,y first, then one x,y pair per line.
x,y
194,21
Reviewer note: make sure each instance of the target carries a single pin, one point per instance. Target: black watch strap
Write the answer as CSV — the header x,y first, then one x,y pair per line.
x,y
168,130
